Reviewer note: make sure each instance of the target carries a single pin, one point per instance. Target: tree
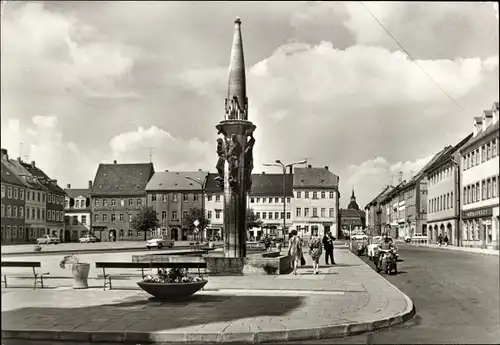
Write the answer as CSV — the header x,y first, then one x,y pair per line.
x,y
195,214
252,220
146,220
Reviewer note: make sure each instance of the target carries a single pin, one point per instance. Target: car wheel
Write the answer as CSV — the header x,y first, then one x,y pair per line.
x,y
148,247
171,245
159,245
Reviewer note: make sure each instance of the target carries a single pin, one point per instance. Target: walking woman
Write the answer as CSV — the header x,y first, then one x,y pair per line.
x,y
295,250
315,250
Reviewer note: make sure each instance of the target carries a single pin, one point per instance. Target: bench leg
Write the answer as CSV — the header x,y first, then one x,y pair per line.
x,y
5,280
110,287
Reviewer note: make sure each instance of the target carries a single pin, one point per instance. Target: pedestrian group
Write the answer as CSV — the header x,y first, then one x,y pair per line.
x,y
316,246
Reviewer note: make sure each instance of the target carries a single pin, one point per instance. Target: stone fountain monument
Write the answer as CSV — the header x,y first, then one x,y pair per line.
x,y
235,151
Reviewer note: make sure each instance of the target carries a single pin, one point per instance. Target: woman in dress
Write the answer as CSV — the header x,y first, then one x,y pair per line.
x,y
295,250
315,250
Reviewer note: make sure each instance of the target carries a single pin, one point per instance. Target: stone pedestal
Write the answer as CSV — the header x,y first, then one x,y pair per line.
x,y
235,193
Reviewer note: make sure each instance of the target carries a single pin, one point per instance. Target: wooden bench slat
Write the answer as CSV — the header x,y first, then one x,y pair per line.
x,y
151,265
29,264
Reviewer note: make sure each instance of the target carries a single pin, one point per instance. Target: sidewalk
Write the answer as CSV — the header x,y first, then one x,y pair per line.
x,y
462,249
345,299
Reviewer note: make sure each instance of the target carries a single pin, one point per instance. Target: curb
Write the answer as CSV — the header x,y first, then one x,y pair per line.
x,y
457,249
295,334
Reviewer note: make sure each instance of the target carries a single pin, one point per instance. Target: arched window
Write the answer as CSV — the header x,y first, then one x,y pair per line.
x,y
121,233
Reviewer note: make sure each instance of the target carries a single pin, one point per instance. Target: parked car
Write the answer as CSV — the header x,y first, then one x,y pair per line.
x,y
47,239
89,239
416,237
160,242
359,236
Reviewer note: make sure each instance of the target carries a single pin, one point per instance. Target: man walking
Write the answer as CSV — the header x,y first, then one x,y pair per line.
x,y
328,246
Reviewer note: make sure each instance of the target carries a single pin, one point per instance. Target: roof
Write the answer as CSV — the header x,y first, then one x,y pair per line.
x,y
447,154
75,193
271,185
481,134
314,178
7,176
43,178
433,160
351,213
385,191
393,191
211,186
176,181
122,179
24,175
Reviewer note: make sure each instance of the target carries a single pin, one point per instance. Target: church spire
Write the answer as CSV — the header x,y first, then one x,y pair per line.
x,y
353,205
353,197
236,101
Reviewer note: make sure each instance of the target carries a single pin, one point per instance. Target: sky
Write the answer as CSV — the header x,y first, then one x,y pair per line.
x,y
85,83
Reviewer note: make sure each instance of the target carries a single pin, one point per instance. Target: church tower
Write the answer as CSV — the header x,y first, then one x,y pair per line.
x,y
353,205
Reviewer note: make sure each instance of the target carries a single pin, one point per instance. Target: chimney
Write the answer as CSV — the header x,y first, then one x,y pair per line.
x,y
166,170
263,173
114,162
68,186
478,125
309,166
33,164
290,170
90,184
487,118
199,170
326,167
5,155
495,112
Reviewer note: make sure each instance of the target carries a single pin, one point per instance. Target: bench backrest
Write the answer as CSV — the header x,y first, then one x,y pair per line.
x,y
21,264
151,265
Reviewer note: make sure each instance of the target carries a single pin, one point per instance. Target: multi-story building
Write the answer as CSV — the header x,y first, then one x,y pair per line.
x,y
375,218
352,218
54,202
412,207
173,194
316,201
214,206
390,205
266,201
117,195
479,183
443,175
77,217
13,205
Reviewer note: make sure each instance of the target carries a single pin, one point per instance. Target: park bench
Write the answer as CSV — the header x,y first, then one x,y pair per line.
x,y
142,266
24,264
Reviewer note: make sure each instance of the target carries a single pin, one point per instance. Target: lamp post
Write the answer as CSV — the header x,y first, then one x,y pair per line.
x,y
203,185
279,163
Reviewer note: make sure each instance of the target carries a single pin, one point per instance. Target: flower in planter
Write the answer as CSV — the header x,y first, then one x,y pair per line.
x,y
69,260
173,275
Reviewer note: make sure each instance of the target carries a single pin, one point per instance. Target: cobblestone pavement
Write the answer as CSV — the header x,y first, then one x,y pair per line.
x,y
231,309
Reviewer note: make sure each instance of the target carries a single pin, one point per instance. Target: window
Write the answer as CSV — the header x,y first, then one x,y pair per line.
x,y
270,200
104,218
209,198
282,215
33,214
483,189
494,187
113,217
122,202
478,191
306,228
289,215
306,195
163,214
153,197
105,202
209,214
84,219
315,195
9,192
331,213
488,151
474,194
184,214
452,201
49,197
16,193
297,212
271,215
477,156
488,188
3,191
14,231
139,202
217,198
299,194
252,200
277,215
48,215
3,211
288,200
483,153
258,215
217,214
472,159
494,148
196,197
174,215
129,233
38,196
323,212
165,197
306,212
315,212
113,202
130,202
185,197
264,215
323,195
174,197
75,220
96,202
53,214
277,200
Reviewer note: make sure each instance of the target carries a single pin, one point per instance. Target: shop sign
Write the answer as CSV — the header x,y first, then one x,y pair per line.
x,y
482,212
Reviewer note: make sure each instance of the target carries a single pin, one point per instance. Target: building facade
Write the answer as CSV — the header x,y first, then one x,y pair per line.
x,y
316,201
214,206
117,195
392,209
172,194
78,216
375,218
266,201
13,206
480,182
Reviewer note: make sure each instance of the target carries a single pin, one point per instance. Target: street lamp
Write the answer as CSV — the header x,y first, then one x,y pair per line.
x,y
279,163
203,185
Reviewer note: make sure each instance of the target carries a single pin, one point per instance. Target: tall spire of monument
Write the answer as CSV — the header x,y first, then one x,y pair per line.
x,y
236,101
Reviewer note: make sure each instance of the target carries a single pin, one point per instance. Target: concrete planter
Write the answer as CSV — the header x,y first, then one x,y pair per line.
x,y
37,248
81,275
172,291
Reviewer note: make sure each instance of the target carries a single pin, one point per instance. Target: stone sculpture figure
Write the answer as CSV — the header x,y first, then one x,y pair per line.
x,y
249,160
221,152
233,158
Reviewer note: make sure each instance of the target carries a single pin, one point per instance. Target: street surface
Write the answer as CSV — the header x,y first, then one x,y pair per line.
x,y
456,295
